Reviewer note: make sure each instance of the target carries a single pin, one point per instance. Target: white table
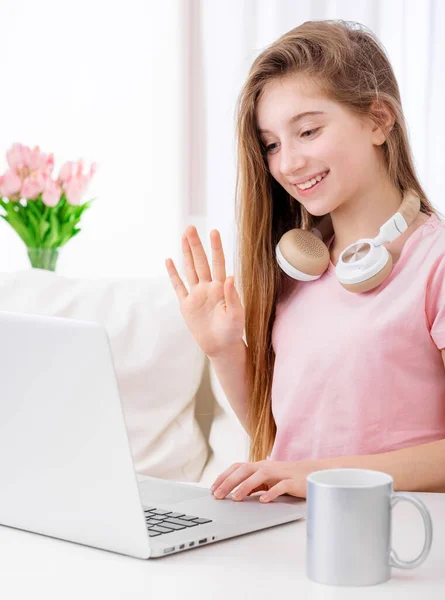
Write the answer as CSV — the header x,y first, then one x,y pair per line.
x,y
268,564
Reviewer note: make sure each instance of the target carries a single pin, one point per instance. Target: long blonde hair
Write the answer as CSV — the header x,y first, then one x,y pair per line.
x,y
349,64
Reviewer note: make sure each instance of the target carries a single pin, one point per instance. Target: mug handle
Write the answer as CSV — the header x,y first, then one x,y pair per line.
x,y
394,560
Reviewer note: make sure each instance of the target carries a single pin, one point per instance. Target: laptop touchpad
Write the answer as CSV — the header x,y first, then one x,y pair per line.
x,y
158,492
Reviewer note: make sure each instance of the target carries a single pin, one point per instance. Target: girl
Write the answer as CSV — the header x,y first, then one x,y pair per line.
x,y
325,377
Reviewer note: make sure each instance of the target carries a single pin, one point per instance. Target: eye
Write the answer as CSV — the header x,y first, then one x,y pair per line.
x,y
270,147
310,132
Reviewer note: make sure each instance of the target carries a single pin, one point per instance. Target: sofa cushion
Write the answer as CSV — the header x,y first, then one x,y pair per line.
x,y
228,440
158,364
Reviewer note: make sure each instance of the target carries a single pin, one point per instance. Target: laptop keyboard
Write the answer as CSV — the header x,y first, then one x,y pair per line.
x,y
161,522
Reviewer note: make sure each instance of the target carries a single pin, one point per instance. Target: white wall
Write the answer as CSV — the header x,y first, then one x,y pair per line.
x,y
99,80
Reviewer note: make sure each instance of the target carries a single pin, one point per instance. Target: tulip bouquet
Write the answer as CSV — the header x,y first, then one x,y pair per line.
x,y
44,211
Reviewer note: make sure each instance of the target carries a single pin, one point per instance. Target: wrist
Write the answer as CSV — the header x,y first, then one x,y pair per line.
x,y
235,350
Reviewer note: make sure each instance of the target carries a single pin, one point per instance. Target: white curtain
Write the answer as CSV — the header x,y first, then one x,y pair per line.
x,y
148,90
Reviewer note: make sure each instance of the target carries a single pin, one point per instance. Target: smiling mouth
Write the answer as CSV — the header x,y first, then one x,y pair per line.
x,y
308,183
307,191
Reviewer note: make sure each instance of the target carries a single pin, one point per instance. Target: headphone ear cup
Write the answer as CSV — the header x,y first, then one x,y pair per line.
x,y
373,281
302,255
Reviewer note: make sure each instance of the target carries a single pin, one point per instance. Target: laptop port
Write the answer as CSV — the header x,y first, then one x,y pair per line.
x,y
203,541
191,544
182,546
167,550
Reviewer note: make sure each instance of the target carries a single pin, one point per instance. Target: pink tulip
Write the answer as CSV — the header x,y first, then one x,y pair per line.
x,y
34,185
24,160
74,181
74,189
33,161
93,170
52,193
39,161
17,156
67,171
11,184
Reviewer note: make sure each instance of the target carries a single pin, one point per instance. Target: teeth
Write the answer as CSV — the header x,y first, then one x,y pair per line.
x,y
310,182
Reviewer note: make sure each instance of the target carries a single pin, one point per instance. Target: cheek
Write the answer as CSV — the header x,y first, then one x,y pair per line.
x,y
346,153
274,168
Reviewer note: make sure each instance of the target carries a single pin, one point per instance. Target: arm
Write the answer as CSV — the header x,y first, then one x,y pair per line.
x,y
418,468
231,370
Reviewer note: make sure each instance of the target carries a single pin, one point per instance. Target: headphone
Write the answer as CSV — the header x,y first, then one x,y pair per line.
x,y
362,266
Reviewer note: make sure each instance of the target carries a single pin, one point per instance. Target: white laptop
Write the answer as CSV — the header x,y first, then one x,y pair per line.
x,y
66,468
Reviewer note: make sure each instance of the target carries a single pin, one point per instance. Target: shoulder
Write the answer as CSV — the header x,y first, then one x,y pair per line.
x,y
433,226
428,252
428,241
286,287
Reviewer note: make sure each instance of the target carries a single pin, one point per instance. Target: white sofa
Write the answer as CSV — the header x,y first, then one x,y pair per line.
x,y
179,422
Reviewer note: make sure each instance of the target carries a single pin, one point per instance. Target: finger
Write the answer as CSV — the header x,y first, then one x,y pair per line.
x,y
230,294
260,488
178,285
285,486
256,480
218,259
234,479
189,265
224,475
201,264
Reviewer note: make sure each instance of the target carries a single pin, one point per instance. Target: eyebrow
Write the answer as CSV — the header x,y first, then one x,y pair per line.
x,y
296,118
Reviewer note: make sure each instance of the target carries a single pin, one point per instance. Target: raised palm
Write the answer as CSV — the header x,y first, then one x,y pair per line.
x,y
211,308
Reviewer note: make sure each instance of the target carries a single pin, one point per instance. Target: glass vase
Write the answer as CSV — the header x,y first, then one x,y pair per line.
x,y
43,258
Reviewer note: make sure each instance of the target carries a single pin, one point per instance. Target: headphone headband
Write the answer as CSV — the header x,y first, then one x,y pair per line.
x,y
398,223
410,207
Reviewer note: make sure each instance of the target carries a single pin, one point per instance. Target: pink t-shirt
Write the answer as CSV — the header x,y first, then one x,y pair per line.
x,y
363,373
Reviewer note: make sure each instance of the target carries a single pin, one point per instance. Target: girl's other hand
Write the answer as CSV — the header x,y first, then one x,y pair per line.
x,y
211,307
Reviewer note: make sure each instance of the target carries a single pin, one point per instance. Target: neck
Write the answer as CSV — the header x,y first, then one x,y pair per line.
x,y
363,215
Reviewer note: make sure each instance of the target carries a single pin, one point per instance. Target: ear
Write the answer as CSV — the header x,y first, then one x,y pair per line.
x,y
382,122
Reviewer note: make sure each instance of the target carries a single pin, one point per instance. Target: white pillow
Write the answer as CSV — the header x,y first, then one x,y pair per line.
x,y
158,363
228,439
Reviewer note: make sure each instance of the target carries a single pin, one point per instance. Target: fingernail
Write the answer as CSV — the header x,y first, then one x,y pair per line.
x,y
213,488
264,498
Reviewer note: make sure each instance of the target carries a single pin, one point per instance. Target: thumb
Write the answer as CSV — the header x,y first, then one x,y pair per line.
x,y
230,293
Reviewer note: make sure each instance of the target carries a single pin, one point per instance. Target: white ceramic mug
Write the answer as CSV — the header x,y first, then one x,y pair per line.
x,y
349,517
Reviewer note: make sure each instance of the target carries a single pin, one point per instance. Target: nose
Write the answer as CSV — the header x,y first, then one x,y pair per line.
x,y
290,160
